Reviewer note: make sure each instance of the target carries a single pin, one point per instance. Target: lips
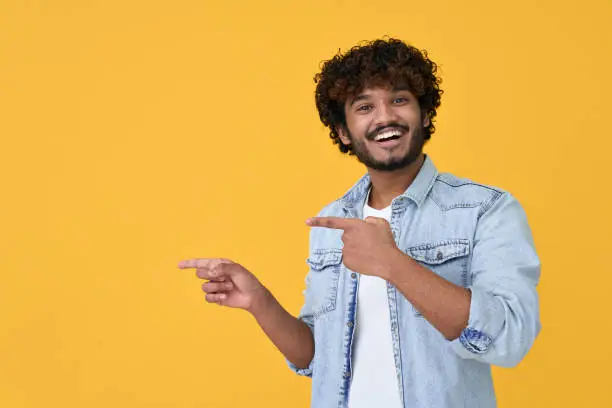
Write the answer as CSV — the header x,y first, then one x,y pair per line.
x,y
387,136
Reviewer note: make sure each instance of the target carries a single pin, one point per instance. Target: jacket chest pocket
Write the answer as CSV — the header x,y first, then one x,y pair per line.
x,y
448,259
325,266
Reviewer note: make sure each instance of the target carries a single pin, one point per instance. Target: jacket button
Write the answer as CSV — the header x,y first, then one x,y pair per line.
x,y
347,374
353,275
350,324
439,256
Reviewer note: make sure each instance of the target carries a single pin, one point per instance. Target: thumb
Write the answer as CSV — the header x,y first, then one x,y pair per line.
x,y
376,221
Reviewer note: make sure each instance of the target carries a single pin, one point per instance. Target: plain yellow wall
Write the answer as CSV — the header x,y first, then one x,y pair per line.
x,y
139,133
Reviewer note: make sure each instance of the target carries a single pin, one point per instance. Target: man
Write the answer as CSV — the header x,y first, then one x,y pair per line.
x,y
419,281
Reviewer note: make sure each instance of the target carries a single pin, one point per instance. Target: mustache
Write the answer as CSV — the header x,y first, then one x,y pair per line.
x,y
372,134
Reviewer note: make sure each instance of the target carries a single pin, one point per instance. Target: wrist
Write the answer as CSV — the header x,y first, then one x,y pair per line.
x,y
262,299
396,266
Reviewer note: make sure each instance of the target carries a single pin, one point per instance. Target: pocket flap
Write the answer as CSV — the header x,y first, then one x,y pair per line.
x,y
440,252
322,258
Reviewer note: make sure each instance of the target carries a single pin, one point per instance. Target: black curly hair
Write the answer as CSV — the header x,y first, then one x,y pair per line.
x,y
382,62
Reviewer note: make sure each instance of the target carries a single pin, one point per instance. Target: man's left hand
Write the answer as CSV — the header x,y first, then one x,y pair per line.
x,y
369,246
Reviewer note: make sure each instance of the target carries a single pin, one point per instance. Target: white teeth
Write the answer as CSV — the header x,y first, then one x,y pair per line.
x,y
387,134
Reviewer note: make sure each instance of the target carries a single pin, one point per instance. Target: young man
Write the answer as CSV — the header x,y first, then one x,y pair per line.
x,y
419,281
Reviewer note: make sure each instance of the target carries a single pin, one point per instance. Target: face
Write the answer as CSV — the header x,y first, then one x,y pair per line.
x,y
385,128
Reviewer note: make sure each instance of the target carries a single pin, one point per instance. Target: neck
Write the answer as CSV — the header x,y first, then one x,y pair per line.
x,y
386,185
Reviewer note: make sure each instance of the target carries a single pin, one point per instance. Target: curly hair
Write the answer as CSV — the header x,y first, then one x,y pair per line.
x,y
382,62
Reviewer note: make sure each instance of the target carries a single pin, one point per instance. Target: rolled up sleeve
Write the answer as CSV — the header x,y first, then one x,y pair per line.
x,y
504,312
306,372
307,317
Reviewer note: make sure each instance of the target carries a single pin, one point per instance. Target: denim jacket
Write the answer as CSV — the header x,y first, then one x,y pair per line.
x,y
473,235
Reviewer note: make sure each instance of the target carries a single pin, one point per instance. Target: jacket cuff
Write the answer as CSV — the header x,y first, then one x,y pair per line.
x,y
306,372
486,321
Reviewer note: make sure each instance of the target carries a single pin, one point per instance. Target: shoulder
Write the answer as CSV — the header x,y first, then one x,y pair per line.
x,y
450,191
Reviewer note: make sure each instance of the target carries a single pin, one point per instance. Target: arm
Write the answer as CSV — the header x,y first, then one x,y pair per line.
x,y
504,318
496,320
445,305
290,335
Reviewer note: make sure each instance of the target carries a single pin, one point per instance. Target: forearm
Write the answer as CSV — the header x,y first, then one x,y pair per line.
x,y
445,305
290,335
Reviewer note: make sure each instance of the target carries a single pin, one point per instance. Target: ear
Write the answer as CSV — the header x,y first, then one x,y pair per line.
x,y
426,121
343,135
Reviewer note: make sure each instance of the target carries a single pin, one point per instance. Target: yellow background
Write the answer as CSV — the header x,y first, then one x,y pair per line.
x,y
139,133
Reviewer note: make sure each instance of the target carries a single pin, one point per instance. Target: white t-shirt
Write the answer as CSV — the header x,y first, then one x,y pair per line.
x,y
374,383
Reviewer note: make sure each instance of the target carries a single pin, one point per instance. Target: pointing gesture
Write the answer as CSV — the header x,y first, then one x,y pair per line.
x,y
338,222
229,284
369,246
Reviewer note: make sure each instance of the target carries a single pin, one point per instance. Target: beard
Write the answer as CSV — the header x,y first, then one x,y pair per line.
x,y
393,163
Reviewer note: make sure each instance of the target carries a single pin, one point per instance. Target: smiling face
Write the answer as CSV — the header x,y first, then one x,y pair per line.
x,y
385,128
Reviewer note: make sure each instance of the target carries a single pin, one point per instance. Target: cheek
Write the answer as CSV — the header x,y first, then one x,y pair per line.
x,y
412,116
358,126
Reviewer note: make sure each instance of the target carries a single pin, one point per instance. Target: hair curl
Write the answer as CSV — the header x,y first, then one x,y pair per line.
x,y
382,62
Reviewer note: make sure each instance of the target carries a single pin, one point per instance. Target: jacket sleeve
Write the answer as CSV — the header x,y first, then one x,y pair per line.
x,y
307,317
504,312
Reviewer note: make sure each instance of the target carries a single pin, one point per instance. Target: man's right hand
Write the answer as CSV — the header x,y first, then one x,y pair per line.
x,y
228,283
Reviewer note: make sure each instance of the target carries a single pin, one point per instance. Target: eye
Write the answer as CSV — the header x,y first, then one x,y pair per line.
x,y
400,99
364,108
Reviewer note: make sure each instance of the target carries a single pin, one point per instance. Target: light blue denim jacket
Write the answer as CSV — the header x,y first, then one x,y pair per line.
x,y
472,235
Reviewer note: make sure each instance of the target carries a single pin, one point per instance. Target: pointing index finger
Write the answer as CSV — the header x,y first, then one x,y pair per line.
x,y
333,222
201,263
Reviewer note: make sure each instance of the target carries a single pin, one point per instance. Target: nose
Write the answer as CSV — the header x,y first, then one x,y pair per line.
x,y
384,115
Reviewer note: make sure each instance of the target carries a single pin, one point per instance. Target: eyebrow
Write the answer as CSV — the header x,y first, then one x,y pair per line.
x,y
360,97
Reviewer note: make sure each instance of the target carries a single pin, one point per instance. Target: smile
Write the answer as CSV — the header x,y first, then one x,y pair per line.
x,y
386,135
388,138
